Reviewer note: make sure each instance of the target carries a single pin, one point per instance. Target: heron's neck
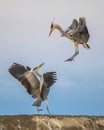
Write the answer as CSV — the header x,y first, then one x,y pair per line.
x,y
62,31
37,73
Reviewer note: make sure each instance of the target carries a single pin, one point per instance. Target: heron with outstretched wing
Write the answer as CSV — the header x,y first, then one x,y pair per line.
x,y
37,85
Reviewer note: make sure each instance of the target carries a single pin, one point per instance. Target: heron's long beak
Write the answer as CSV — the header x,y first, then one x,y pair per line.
x,y
41,65
38,67
50,32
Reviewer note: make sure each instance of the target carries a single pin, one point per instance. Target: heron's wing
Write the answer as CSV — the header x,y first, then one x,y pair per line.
x,y
81,34
26,77
85,34
31,83
81,26
18,70
72,27
49,78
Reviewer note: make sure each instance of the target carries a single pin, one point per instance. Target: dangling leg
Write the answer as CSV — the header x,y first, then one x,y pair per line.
x,y
76,52
47,106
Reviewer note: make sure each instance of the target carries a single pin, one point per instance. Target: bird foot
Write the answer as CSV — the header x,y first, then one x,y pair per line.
x,y
39,110
70,59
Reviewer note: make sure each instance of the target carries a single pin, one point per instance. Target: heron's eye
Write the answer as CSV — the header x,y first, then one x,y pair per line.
x,y
27,67
51,25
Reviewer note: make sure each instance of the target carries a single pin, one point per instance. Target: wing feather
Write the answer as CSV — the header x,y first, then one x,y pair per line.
x,y
49,78
81,34
72,27
17,70
26,77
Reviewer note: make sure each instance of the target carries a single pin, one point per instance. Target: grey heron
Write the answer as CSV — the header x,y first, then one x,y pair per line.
x,y
37,85
79,35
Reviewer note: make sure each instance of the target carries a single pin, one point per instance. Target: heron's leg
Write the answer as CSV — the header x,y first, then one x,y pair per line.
x,y
47,106
76,52
39,109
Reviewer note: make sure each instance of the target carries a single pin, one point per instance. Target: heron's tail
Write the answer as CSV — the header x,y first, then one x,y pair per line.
x,y
85,45
38,102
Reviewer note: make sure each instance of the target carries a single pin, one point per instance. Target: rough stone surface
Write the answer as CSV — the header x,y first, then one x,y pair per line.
x,y
50,122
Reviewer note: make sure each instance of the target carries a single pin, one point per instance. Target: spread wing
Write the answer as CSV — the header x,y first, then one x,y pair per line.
x,y
49,78
17,70
26,77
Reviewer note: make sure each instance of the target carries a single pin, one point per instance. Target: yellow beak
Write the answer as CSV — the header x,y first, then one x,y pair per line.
x,y
38,67
41,65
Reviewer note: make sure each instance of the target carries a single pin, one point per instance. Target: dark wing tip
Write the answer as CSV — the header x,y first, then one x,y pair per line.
x,y
17,70
50,78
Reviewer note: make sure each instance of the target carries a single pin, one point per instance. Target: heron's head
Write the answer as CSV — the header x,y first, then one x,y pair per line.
x,y
38,67
52,28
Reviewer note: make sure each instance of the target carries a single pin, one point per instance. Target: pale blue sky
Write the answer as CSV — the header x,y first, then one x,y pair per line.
x,y
24,28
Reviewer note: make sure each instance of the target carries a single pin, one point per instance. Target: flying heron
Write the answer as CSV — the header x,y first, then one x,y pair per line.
x,y
37,85
78,35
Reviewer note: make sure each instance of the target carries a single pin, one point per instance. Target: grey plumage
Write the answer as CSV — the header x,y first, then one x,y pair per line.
x,y
76,32
72,28
30,80
81,34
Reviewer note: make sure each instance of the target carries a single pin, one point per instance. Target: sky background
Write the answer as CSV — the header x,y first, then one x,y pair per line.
x,y
24,29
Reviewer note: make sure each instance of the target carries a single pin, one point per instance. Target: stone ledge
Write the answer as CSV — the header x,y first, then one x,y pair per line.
x,y
51,122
